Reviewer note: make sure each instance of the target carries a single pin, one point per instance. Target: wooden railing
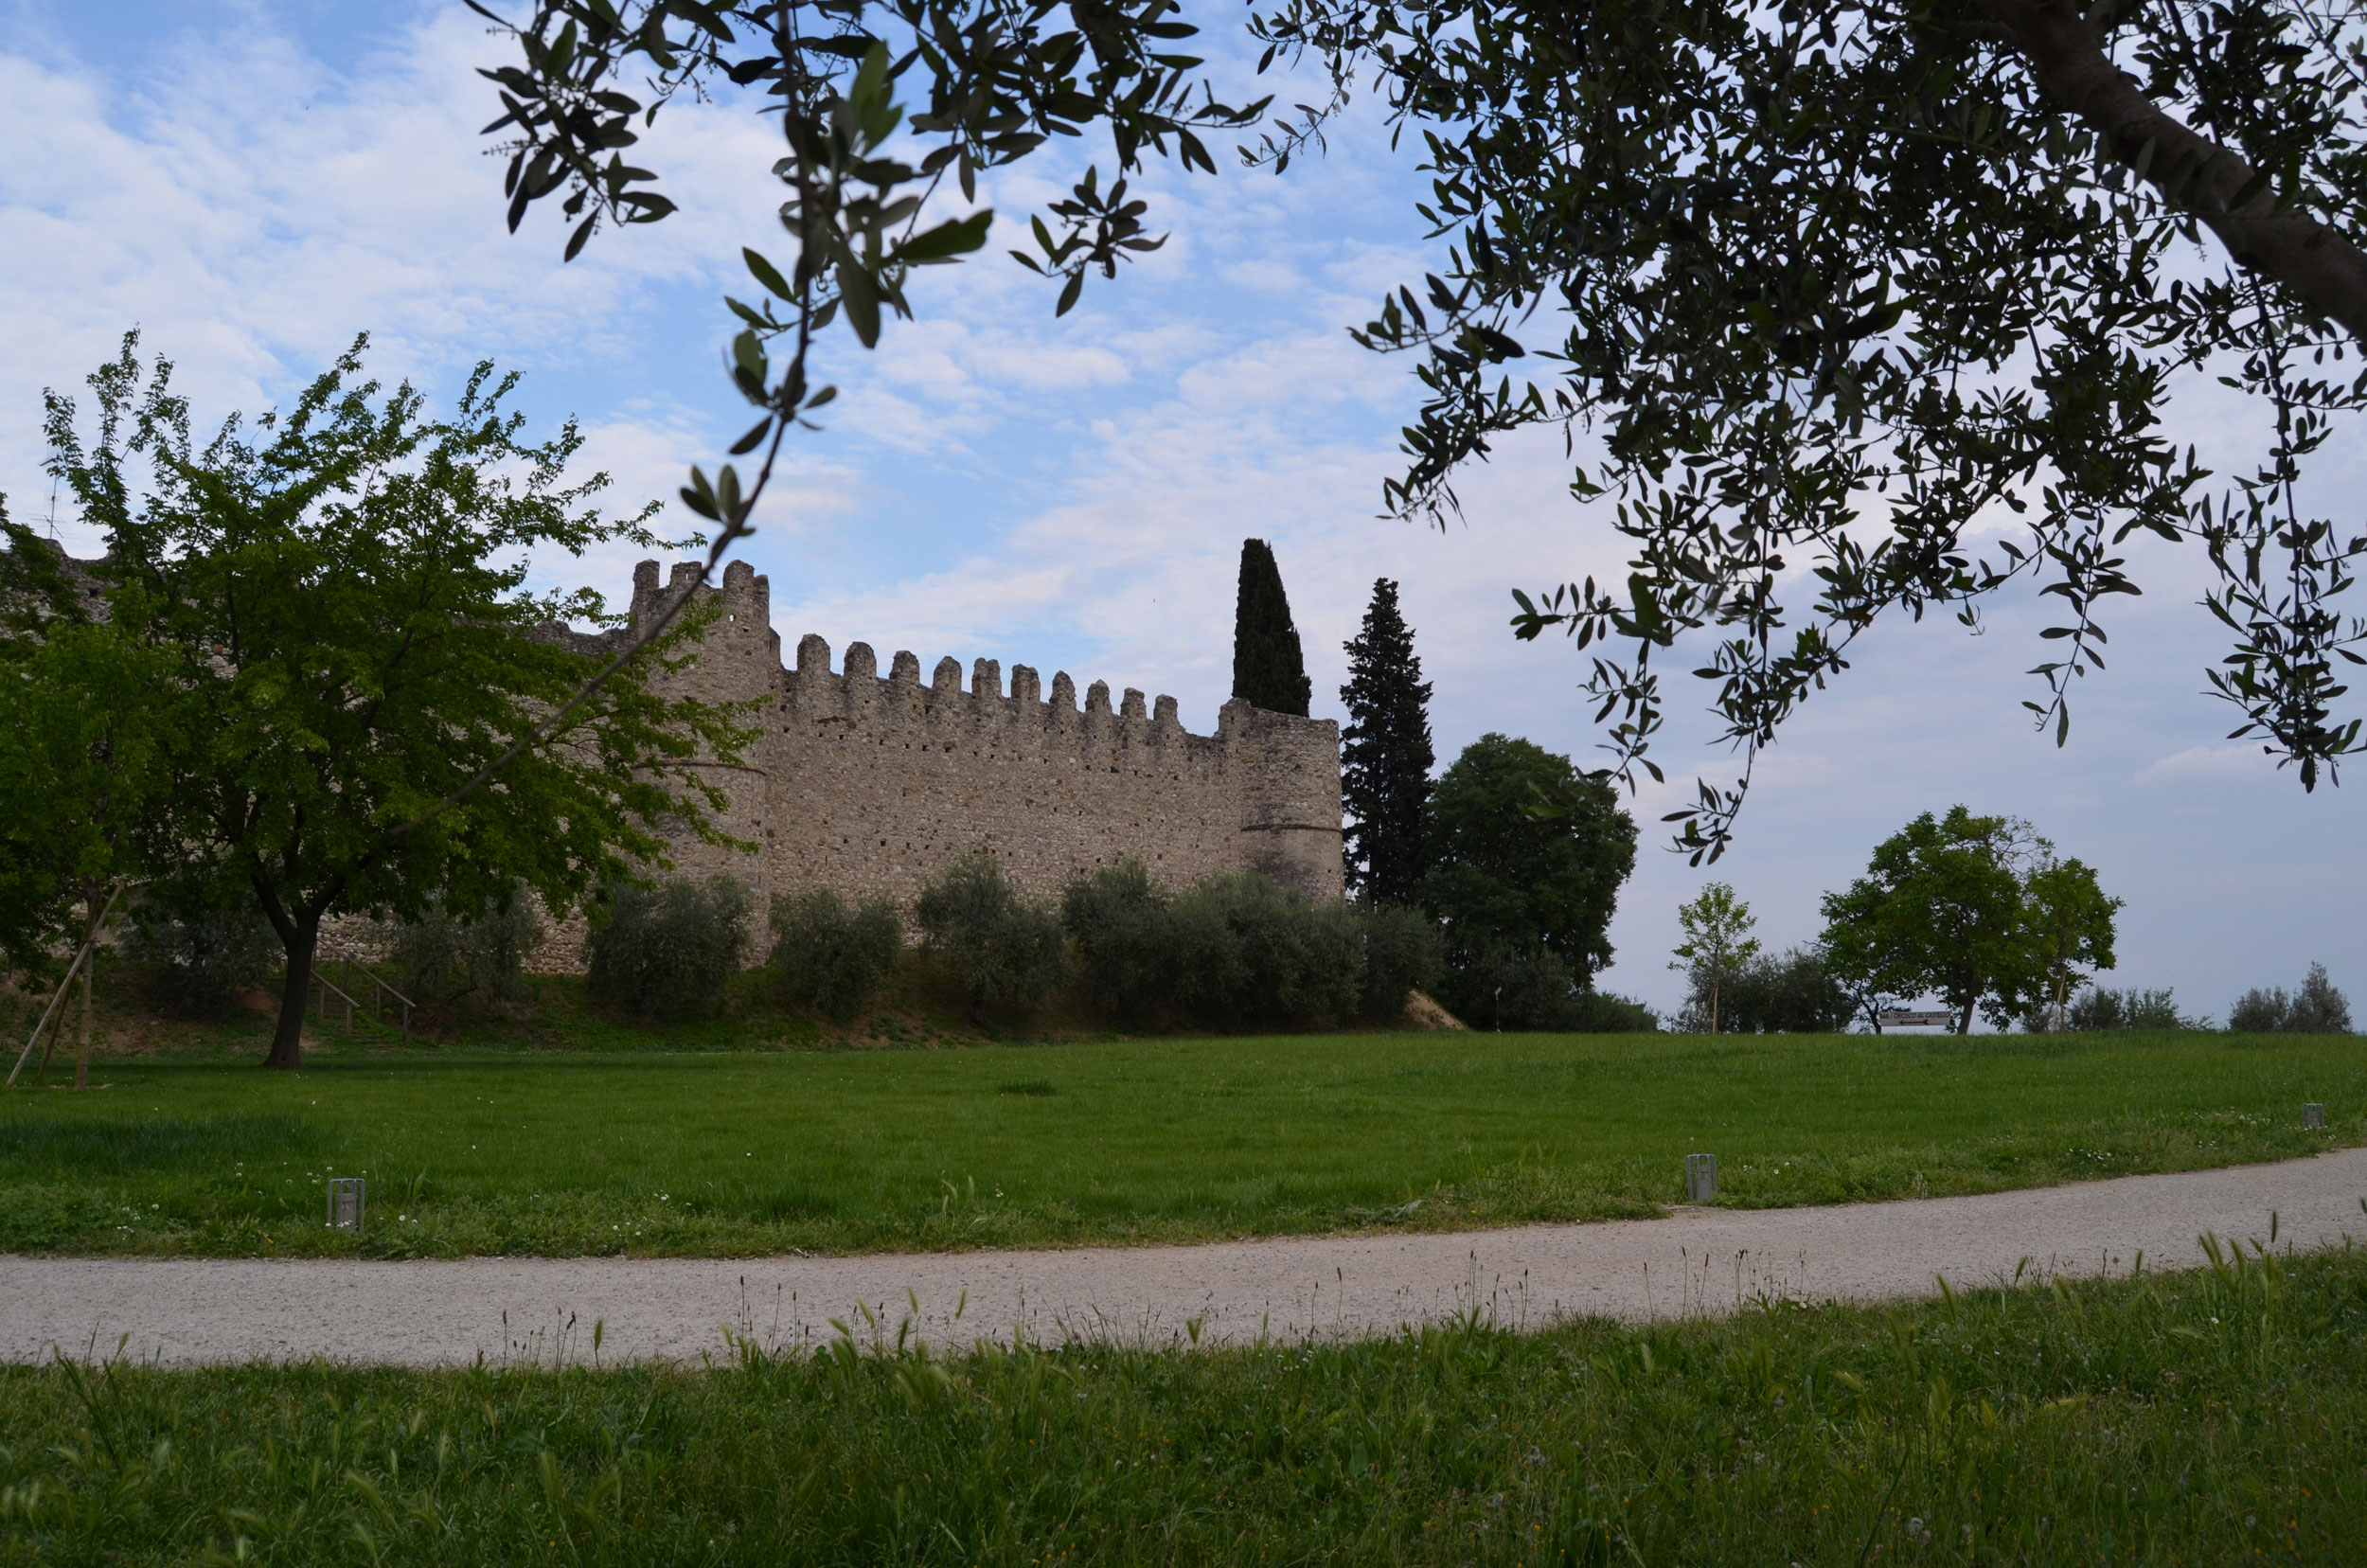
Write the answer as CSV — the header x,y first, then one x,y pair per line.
x,y
321,990
382,993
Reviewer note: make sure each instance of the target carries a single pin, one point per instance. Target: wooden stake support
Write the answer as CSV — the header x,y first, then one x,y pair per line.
x,y
81,957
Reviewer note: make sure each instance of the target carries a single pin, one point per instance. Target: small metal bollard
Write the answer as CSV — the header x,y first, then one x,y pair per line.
x,y
1700,1178
2313,1115
346,1198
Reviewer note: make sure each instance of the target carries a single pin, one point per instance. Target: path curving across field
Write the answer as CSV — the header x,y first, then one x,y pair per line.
x,y
519,1310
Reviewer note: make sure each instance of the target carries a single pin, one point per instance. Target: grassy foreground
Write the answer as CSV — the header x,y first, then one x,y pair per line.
x,y
1133,1141
2207,1417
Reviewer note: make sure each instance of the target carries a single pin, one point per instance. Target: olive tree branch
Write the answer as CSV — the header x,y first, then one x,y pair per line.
x,y
2238,203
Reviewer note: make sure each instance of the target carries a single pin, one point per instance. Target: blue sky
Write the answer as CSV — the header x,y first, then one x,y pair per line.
x,y
253,184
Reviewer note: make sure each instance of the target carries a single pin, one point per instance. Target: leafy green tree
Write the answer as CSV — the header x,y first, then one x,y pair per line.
x,y
1253,952
1386,754
1402,955
830,956
669,949
1516,888
440,958
1940,910
2259,1010
1124,925
1783,993
1495,987
1268,667
1240,949
195,959
2318,1007
999,944
1833,283
1718,943
2102,1007
79,773
346,657
2070,921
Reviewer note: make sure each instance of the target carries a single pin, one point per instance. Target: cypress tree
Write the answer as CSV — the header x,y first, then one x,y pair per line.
x,y
1385,754
1268,668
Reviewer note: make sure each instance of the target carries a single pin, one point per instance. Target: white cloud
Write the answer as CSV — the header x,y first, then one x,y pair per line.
x,y
2208,762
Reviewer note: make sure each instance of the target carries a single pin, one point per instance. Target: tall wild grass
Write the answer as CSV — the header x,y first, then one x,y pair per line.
x,y
2212,1416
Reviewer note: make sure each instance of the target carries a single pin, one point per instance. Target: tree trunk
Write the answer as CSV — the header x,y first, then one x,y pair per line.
x,y
2319,264
287,1042
1713,1005
1963,1019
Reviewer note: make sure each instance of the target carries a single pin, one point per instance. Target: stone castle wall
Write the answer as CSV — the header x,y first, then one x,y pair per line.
x,y
870,783
873,783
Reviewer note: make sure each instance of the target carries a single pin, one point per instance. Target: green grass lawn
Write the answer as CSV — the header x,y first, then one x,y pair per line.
x,y
473,1152
2194,1418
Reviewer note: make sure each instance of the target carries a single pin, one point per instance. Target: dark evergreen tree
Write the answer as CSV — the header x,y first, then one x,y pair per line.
x,y
1385,754
1268,668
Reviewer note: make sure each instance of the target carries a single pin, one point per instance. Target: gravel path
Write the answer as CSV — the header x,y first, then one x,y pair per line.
x,y
544,1311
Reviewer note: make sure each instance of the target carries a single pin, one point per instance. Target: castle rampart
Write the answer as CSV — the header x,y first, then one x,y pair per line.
x,y
872,784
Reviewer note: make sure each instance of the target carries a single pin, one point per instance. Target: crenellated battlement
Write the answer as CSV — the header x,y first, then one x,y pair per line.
x,y
871,783
1026,718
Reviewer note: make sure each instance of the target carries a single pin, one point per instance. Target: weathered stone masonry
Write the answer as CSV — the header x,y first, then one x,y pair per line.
x,y
867,783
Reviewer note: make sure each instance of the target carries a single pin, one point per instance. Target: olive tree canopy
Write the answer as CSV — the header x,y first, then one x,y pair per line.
x,y
1869,308
1878,308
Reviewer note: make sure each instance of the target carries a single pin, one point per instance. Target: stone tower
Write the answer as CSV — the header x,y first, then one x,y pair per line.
x,y
738,660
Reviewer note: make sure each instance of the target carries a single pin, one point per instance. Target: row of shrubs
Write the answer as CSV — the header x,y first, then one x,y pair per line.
x,y
1229,951
2317,1007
